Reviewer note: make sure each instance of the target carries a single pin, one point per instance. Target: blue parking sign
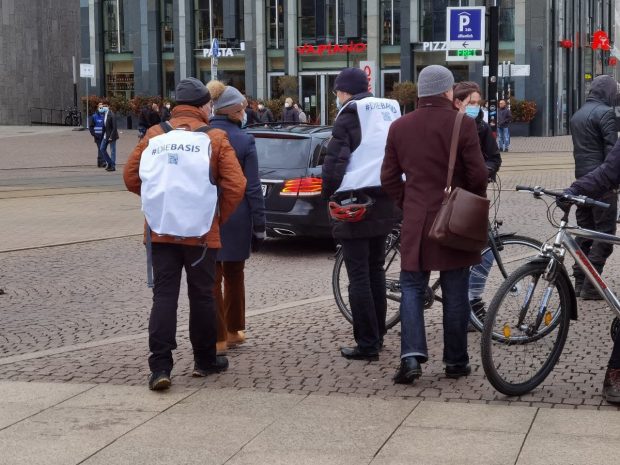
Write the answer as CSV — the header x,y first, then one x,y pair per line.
x,y
465,24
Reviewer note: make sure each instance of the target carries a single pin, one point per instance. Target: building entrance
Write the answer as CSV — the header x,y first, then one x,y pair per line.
x,y
316,96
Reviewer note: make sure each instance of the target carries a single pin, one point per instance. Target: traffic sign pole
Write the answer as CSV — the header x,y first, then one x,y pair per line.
x,y
493,63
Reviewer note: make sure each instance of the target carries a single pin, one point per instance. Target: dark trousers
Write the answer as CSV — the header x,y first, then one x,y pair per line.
x,y
168,263
614,361
100,158
598,219
230,301
364,260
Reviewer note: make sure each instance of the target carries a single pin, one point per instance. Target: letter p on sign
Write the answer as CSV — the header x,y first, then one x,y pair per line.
x,y
464,21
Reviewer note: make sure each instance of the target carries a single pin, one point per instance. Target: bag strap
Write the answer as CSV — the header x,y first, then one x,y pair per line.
x,y
166,126
454,145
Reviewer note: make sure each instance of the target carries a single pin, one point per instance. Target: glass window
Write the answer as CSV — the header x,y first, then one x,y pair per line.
x,y
167,35
114,40
390,19
119,79
322,21
433,19
209,24
507,21
283,152
275,24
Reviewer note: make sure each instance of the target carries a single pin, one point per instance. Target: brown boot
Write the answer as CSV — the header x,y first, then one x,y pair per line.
x,y
611,385
235,338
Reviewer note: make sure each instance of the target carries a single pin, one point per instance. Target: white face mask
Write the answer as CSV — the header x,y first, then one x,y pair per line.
x,y
261,107
287,105
338,104
168,106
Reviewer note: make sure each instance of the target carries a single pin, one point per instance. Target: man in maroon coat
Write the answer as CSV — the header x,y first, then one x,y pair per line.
x,y
418,146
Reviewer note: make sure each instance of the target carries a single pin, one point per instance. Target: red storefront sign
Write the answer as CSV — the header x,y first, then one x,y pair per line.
x,y
332,49
600,39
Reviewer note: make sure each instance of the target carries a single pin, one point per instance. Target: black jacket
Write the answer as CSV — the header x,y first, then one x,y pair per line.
x,y
290,115
111,131
265,116
593,128
346,137
602,179
488,145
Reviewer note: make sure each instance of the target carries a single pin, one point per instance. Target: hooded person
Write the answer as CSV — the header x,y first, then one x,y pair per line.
x,y
594,133
244,232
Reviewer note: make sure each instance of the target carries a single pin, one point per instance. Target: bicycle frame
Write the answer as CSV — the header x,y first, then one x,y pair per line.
x,y
565,242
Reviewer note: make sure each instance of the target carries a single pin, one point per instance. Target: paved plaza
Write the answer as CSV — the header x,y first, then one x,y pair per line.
x,y
73,343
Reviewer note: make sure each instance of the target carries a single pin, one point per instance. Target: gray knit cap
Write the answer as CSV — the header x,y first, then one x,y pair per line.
x,y
192,91
434,80
229,97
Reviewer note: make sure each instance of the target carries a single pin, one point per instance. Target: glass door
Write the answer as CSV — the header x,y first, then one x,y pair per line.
x,y
317,98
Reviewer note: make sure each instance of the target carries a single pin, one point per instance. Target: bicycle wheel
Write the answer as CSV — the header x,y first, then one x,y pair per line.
x,y
615,329
525,329
487,277
340,284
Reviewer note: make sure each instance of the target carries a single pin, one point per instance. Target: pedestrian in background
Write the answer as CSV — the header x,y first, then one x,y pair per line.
x,y
197,255
593,129
110,136
245,229
300,114
418,146
97,129
504,118
289,114
264,114
251,116
165,112
355,193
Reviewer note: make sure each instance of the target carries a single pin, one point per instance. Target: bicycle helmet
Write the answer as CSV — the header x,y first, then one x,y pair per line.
x,y
351,209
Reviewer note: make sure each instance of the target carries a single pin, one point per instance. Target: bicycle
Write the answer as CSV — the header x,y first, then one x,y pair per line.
x,y
504,253
74,117
528,320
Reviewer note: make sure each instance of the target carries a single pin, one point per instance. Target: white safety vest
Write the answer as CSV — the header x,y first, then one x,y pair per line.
x,y
364,168
178,197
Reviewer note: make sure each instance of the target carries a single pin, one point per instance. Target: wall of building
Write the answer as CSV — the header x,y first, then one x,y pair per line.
x,y
37,43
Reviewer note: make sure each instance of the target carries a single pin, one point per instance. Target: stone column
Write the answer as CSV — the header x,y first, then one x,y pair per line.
x,y
145,24
373,34
290,37
183,40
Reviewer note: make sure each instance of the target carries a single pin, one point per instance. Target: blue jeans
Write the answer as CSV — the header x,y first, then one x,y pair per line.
x,y
109,159
479,275
504,138
456,310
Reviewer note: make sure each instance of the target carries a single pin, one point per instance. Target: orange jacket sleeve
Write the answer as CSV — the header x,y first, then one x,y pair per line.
x,y
131,173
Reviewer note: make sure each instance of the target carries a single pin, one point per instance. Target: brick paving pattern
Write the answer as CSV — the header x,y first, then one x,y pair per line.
x,y
95,292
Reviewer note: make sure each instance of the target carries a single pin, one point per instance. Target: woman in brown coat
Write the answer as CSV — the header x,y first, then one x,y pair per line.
x,y
418,146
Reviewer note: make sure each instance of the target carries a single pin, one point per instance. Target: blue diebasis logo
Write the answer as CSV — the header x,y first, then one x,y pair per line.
x,y
465,25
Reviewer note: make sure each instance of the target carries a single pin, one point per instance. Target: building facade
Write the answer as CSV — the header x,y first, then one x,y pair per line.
x,y
144,47
39,42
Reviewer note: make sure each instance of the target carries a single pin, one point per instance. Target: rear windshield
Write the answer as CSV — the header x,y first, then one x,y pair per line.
x,y
282,152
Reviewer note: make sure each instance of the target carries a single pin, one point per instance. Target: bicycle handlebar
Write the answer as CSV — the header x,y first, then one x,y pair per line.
x,y
568,198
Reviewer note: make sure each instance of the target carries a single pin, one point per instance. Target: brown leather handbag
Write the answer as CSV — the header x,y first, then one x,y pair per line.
x,y
462,221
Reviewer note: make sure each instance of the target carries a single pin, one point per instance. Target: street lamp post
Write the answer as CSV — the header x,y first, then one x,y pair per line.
x,y
493,62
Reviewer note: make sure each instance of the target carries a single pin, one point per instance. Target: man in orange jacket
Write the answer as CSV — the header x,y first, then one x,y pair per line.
x,y
171,254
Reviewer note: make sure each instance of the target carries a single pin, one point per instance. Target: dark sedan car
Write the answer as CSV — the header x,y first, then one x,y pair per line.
x,y
290,159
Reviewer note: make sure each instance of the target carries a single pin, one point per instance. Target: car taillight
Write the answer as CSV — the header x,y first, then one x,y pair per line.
x,y
305,187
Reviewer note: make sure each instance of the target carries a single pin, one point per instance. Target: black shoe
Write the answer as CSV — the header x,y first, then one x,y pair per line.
x,y
408,372
355,353
457,371
221,364
506,149
110,168
589,293
611,385
159,380
100,164
578,286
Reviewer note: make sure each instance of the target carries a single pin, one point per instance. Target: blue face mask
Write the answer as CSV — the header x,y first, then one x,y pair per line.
x,y
338,104
472,111
101,110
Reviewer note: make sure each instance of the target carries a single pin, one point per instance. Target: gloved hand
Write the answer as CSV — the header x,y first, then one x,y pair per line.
x,y
258,237
562,202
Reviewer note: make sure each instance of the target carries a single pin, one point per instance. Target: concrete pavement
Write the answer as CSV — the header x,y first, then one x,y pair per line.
x,y
101,424
73,345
